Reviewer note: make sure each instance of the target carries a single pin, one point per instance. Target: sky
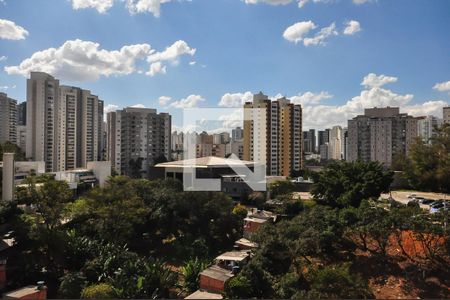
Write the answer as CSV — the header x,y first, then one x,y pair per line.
x,y
335,57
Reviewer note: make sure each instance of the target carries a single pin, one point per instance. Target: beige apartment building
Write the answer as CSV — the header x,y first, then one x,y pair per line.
x,y
273,134
8,119
380,134
446,114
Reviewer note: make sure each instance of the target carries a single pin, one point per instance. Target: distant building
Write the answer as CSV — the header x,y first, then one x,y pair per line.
x,y
446,114
273,134
8,119
425,127
137,139
237,134
380,134
309,141
22,114
335,143
22,137
323,140
344,143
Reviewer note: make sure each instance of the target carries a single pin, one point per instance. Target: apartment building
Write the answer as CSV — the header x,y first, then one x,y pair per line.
x,y
425,127
380,134
309,141
335,143
138,135
273,134
63,124
323,141
8,119
446,114
42,119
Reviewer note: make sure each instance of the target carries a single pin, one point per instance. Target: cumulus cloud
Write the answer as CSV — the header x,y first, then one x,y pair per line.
x,y
155,68
352,27
363,1
164,100
321,36
2,58
442,87
144,6
310,98
432,107
101,6
7,87
110,108
192,63
139,105
296,32
86,61
235,99
188,102
11,31
374,80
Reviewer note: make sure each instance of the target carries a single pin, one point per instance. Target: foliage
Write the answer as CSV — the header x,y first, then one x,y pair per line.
x,y
71,286
337,281
190,272
280,187
98,291
240,211
238,287
8,147
286,205
343,184
427,166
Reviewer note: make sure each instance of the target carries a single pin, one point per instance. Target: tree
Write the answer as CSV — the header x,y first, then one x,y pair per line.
x,y
71,286
190,272
281,187
428,165
238,287
343,184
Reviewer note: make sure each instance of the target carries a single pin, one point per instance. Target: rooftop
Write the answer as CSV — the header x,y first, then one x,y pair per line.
x,y
200,294
218,273
233,256
22,292
206,162
247,243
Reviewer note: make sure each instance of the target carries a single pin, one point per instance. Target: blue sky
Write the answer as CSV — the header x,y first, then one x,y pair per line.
x,y
238,46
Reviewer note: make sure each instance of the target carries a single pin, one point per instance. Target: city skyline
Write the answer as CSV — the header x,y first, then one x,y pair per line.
x,y
333,71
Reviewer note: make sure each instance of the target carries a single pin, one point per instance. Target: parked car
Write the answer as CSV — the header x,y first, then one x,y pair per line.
x,y
426,201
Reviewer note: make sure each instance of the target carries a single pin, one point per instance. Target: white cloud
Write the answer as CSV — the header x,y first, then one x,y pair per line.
x,y
139,105
433,107
11,31
271,2
164,100
442,87
310,98
2,58
363,1
110,108
352,27
235,99
7,87
192,63
143,6
173,52
101,6
85,61
372,80
155,68
321,36
188,102
296,32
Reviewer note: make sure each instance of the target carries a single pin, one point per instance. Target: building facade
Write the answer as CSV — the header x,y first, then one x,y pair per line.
x,y
446,114
137,139
273,134
380,134
309,141
335,143
425,127
63,124
8,119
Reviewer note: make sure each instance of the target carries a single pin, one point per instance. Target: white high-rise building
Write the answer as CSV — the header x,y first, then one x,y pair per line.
x,y
63,124
8,119
425,127
446,114
42,119
335,143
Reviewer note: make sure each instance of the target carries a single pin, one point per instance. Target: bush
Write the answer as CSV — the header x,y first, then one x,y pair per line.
x,y
98,291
